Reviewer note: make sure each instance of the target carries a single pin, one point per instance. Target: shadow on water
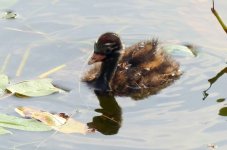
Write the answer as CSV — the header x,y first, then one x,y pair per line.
x,y
110,121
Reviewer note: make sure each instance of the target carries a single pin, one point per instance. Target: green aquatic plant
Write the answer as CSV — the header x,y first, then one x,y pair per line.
x,y
218,18
33,88
29,88
7,121
212,81
220,100
223,111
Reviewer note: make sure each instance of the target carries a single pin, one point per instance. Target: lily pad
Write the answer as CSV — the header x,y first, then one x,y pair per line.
x,y
22,124
4,131
178,50
60,122
34,88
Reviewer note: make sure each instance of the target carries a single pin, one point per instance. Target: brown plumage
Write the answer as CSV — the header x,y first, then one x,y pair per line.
x,y
142,69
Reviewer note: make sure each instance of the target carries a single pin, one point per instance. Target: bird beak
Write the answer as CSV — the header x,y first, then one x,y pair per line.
x,y
96,58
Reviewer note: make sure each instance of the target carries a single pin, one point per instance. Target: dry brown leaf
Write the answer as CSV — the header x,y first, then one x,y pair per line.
x,y
60,122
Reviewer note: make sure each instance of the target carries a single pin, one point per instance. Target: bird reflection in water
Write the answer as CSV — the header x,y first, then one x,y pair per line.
x,y
110,121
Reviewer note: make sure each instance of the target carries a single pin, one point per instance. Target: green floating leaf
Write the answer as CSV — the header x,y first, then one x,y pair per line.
x,y
223,111
34,88
178,50
220,100
4,131
22,124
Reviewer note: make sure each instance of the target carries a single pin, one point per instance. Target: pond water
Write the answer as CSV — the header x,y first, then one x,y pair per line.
x,y
53,33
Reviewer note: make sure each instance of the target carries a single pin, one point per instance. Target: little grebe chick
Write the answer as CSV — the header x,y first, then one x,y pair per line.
x,y
137,71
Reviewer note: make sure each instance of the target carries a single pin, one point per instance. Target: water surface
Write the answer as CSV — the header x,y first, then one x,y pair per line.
x,y
57,32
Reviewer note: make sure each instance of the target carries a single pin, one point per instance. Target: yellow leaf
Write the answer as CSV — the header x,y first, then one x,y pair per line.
x,y
60,122
72,126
